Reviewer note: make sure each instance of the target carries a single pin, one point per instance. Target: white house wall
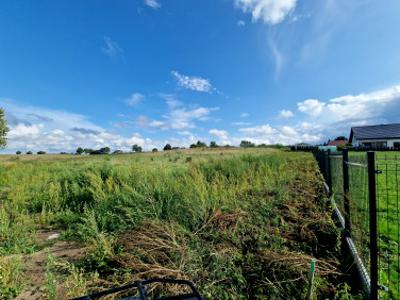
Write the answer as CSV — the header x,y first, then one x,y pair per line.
x,y
389,142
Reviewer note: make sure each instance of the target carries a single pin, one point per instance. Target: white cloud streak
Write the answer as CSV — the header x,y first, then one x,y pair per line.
x,y
271,12
194,83
111,48
154,4
134,99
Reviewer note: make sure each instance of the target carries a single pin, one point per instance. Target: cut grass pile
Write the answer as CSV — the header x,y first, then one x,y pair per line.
x,y
239,224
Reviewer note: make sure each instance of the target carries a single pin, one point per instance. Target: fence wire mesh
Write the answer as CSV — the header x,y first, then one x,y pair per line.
x,y
359,205
357,210
388,214
336,164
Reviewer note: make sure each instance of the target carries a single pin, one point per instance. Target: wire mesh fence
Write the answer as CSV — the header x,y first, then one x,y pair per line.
x,y
336,164
388,216
366,191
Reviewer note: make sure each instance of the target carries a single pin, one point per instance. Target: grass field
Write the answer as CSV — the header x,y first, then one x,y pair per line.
x,y
241,224
388,202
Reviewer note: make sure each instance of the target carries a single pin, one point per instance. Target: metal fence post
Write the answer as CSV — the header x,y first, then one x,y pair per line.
x,y
346,189
329,172
373,230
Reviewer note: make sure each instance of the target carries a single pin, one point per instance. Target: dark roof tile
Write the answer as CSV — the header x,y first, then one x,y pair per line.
x,y
382,131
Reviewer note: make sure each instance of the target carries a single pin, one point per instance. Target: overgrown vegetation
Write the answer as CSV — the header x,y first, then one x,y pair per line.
x,y
241,224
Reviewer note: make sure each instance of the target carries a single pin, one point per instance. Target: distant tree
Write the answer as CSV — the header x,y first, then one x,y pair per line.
x,y
105,150
79,150
246,144
136,148
3,129
200,144
167,147
192,146
18,152
213,144
154,150
41,152
29,152
88,150
341,138
118,152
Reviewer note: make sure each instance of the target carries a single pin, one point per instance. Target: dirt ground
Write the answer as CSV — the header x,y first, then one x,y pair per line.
x,y
35,263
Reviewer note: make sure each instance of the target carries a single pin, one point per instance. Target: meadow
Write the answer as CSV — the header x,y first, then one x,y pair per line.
x,y
240,224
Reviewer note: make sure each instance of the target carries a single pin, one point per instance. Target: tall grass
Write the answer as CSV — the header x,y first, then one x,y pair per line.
x,y
241,225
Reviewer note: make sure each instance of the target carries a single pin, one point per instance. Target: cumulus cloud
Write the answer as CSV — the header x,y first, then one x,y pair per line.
x,y
154,4
134,99
285,114
382,104
326,119
269,11
221,135
194,83
286,135
111,48
312,107
337,115
178,118
65,132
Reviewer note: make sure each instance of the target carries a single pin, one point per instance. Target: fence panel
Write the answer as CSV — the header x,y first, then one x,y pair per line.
x,y
359,205
366,191
388,215
336,163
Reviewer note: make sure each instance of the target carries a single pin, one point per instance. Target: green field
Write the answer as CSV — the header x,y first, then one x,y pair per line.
x,y
241,224
388,202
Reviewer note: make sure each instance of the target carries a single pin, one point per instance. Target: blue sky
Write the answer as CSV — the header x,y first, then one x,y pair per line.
x,y
116,73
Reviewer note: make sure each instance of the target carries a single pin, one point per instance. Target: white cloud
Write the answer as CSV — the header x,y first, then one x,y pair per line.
x,y
337,115
35,128
381,104
218,133
286,135
312,107
285,114
269,11
277,55
221,135
192,82
244,115
155,4
22,131
111,48
240,123
241,23
134,99
179,117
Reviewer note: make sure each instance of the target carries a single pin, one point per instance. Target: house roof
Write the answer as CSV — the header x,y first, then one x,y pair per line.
x,y
337,143
375,132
